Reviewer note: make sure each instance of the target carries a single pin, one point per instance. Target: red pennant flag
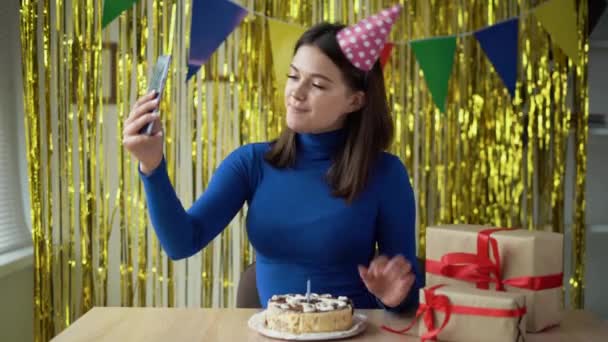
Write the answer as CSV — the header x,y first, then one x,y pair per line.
x,y
386,53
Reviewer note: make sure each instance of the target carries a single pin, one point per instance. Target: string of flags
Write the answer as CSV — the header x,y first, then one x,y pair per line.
x,y
214,20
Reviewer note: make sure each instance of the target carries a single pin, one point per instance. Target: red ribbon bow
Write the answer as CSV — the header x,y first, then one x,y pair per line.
x,y
427,310
439,302
479,268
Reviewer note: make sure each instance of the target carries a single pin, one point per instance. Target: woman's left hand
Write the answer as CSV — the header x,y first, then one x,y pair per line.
x,y
388,280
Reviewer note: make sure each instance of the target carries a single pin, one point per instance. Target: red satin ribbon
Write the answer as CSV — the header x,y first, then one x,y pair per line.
x,y
480,269
438,302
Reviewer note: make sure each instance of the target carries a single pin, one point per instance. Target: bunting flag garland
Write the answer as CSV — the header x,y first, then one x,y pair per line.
x,y
386,53
283,38
499,42
436,58
558,17
113,8
212,22
192,70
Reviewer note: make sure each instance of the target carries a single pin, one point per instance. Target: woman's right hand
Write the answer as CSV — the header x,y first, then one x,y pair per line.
x,y
147,149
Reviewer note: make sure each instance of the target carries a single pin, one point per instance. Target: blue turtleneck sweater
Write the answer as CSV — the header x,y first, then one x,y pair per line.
x,y
297,228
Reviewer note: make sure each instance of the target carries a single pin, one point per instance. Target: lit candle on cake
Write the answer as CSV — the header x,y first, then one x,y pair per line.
x,y
308,291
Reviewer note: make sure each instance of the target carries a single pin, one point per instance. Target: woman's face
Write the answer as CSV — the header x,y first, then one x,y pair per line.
x,y
316,97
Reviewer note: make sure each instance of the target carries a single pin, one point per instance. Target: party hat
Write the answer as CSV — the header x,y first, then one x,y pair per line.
x,y
362,43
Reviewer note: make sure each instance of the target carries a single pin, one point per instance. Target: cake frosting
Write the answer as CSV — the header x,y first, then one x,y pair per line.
x,y
295,313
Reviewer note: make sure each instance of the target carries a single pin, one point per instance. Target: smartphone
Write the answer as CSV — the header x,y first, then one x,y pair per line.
x,y
157,83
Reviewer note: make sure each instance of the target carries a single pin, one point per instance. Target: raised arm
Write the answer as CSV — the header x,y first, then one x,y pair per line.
x,y
183,233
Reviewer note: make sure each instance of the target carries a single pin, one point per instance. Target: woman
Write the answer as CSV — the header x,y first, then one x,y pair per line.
x,y
320,196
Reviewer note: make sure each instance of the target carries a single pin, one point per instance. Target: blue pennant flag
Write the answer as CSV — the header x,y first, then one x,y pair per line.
x,y
499,42
212,22
192,70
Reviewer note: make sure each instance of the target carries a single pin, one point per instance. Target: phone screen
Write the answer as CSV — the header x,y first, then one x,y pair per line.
x,y
157,83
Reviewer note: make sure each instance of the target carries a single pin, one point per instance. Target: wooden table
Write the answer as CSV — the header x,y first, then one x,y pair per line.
x,y
163,324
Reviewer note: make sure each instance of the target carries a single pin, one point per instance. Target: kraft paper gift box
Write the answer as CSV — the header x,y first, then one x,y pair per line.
x,y
455,313
512,260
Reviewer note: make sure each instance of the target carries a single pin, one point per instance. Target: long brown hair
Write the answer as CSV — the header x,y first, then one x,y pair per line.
x,y
369,131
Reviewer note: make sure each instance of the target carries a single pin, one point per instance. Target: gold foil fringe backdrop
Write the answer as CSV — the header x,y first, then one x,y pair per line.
x,y
92,239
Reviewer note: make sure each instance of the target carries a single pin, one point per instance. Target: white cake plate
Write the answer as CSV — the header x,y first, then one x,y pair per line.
x,y
257,323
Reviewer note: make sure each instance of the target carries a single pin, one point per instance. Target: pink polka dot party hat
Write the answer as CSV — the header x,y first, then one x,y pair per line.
x,y
363,42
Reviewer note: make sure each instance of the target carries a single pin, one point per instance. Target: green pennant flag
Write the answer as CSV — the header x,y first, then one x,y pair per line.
x,y
113,8
436,58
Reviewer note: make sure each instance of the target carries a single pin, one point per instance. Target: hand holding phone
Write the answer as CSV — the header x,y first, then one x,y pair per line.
x,y
141,137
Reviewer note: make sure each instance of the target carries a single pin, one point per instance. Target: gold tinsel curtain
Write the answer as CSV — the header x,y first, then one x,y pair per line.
x,y
486,160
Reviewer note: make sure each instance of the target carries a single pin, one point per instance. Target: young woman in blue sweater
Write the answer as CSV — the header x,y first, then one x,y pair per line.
x,y
321,198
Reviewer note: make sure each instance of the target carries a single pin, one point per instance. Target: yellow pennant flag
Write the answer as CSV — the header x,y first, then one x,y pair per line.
x,y
283,38
559,19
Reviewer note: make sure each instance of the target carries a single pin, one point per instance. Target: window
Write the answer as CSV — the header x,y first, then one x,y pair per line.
x,y
13,232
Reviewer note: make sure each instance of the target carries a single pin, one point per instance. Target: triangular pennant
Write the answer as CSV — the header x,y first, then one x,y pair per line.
x,y
436,58
113,8
192,70
386,53
558,17
283,38
499,42
212,22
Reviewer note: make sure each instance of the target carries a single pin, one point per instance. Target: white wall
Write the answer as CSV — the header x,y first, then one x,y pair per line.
x,y
17,284
598,74
16,310
596,277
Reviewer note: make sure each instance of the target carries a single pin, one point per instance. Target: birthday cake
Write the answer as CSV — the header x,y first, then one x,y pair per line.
x,y
297,314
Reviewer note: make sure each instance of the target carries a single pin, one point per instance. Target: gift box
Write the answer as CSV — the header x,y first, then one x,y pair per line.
x,y
454,313
512,260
